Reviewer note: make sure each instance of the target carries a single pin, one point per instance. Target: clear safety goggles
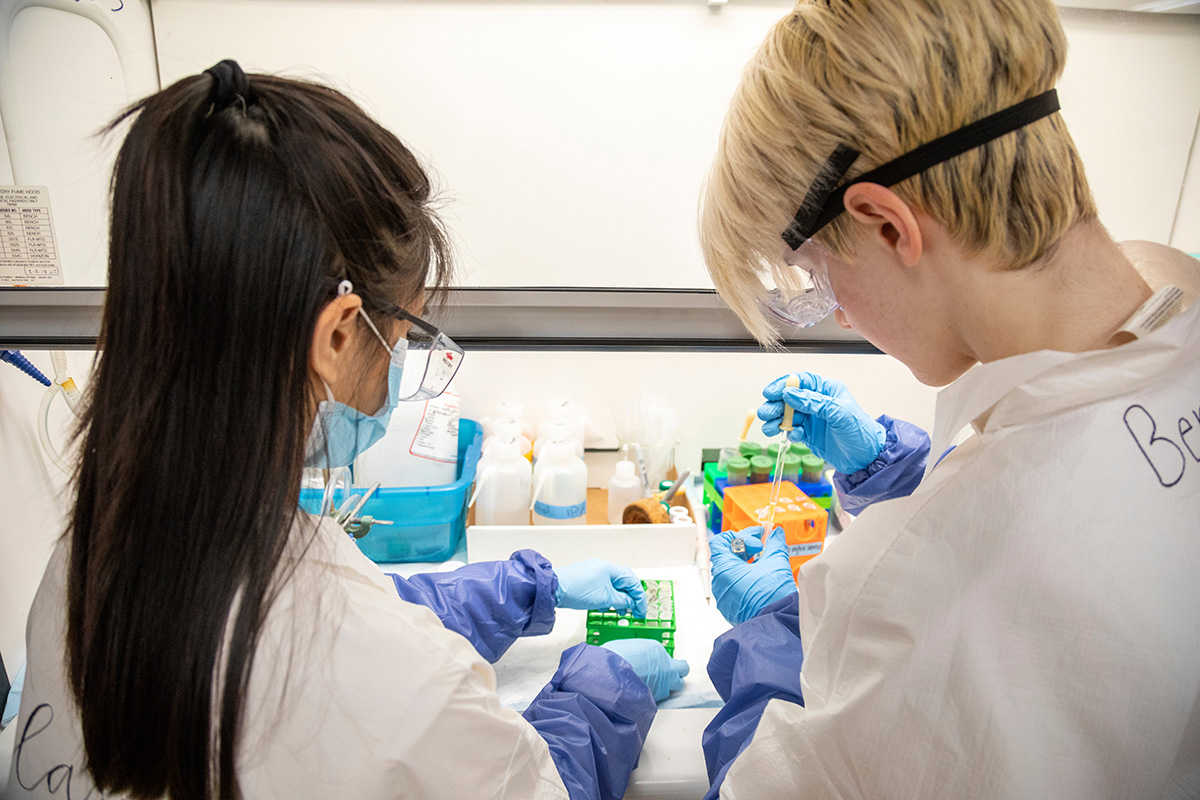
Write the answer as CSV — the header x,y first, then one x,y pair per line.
x,y
429,358
797,291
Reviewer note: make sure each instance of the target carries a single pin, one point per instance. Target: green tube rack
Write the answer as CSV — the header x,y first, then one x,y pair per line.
x,y
659,624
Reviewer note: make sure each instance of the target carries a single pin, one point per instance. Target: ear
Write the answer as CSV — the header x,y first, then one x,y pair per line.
x,y
887,219
329,354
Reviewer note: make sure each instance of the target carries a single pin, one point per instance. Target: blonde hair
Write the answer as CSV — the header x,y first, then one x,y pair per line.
x,y
884,77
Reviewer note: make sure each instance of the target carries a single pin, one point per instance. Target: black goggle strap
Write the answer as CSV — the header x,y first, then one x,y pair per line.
x,y
916,161
818,194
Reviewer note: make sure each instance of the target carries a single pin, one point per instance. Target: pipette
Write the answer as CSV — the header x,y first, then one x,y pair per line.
x,y
793,382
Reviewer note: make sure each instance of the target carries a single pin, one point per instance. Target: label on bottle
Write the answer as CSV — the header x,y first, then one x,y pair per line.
x,y
806,549
437,436
560,512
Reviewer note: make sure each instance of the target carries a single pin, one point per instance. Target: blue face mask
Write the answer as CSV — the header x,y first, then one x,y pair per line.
x,y
340,433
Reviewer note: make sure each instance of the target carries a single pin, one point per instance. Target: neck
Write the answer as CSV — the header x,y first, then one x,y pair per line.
x,y
1071,301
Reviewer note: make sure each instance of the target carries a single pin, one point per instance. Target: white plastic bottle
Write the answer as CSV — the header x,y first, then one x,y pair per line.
x,y
503,487
509,428
515,409
560,486
556,430
566,412
420,449
624,487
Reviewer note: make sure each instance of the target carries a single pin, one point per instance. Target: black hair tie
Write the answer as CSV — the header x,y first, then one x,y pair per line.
x,y
230,84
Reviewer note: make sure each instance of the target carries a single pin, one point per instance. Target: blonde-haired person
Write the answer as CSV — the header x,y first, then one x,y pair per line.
x,y
1025,621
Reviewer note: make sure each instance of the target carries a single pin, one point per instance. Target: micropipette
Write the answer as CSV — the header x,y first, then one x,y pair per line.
x,y
793,382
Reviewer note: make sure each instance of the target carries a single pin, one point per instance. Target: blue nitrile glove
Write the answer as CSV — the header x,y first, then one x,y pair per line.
x,y
742,590
828,419
653,664
596,583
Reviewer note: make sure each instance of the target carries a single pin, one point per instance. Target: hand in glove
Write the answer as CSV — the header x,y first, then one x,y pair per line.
x,y
828,419
650,660
597,584
742,590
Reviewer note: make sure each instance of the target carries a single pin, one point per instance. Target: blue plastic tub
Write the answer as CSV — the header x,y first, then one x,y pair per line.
x,y
429,521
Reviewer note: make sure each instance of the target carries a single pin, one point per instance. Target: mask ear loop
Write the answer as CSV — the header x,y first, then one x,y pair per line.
x,y
396,354
331,485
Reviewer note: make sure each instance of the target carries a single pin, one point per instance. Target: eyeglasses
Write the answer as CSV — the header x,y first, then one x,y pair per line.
x,y
429,357
797,292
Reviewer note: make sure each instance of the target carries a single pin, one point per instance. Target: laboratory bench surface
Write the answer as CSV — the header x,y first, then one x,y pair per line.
x,y
672,763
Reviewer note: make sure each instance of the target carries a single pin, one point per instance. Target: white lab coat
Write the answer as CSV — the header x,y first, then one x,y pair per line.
x,y
381,700
1027,623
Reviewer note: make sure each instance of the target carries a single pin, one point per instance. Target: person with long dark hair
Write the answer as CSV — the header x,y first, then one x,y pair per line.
x,y
195,634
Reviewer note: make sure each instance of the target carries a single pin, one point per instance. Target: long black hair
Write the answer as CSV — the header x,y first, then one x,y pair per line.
x,y
238,203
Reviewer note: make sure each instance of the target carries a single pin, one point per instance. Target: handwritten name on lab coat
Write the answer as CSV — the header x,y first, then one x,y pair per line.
x,y
1165,454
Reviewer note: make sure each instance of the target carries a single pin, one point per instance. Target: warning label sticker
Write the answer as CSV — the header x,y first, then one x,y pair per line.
x,y
437,437
28,248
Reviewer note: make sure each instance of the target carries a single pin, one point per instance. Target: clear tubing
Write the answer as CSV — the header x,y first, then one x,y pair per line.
x,y
44,429
59,359
335,476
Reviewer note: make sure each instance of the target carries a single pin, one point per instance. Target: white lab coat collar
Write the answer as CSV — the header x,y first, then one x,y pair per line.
x,y
1017,389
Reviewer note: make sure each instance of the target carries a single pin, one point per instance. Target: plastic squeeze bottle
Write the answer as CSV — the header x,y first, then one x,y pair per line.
x,y
624,487
509,428
553,430
503,487
560,486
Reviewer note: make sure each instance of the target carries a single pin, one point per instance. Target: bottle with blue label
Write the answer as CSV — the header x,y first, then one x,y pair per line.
x,y
560,486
